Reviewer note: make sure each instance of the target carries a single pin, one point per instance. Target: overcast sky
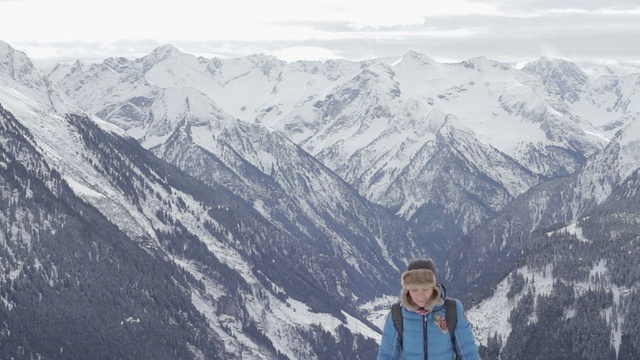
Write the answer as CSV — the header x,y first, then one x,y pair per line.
x,y
513,31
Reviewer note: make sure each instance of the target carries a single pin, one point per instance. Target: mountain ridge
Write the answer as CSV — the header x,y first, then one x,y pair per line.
x,y
477,164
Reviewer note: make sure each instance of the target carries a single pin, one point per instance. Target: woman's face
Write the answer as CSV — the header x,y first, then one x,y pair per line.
x,y
421,296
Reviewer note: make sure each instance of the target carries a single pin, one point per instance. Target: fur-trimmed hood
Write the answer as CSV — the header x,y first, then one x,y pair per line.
x,y
421,278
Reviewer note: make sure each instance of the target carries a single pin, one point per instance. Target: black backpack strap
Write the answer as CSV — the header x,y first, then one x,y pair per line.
x,y
451,315
396,313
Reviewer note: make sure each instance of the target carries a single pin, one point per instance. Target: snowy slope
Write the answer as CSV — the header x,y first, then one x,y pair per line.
x,y
448,147
131,188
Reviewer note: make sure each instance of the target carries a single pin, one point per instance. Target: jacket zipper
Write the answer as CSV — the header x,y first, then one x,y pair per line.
x,y
426,337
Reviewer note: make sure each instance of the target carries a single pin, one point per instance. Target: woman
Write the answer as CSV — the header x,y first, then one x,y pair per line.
x,y
425,333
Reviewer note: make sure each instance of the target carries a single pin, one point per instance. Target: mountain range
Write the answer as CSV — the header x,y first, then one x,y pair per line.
x,y
255,208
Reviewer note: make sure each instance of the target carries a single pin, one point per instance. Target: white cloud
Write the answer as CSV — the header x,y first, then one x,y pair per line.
x,y
241,20
503,30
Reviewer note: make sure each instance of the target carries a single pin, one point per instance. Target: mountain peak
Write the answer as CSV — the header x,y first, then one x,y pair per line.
x,y
77,66
546,66
9,56
416,57
482,63
268,64
561,77
259,58
18,66
117,64
4,48
159,55
164,52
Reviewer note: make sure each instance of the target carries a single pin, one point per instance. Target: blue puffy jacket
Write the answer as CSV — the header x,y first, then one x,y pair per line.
x,y
437,342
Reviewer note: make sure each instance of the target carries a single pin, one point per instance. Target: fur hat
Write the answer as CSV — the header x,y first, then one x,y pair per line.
x,y
421,274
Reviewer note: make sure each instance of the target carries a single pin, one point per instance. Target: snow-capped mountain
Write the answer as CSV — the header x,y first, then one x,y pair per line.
x,y
289,187
561,201
72,284
297,192
379,125
251,284
562,245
